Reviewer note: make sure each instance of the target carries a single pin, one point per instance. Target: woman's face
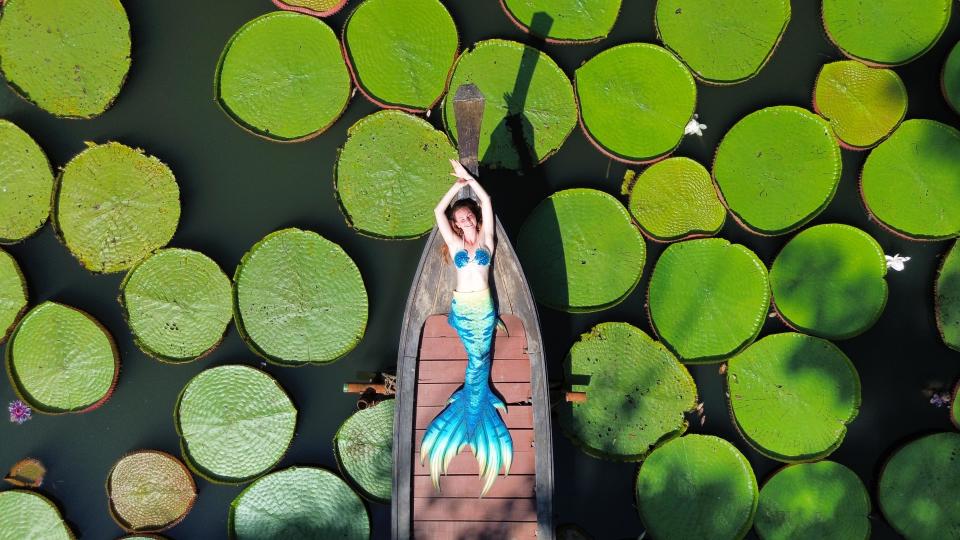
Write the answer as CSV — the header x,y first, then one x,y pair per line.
x,y
464,219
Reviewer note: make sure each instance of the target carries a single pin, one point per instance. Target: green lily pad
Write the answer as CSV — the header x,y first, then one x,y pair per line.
x,y
947,298
564,21
675,199
234,422
150,490
306,502
698,486
114,205
814,500
525,92
317,8
909,182
282,77
829,281
918,488
885,33
409,70
26,184
60,359
950,78
363,447
630,89
792,396
390,174
178,303
708,298
69,57
581,251
13,294
862,104
722,41
777,168
637,393
299,299
143,537
955,407
26,514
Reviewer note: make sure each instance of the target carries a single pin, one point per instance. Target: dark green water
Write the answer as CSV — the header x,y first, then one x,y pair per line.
x,y
236,188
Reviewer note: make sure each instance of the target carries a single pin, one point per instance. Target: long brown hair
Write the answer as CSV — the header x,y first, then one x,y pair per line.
x,y
469,204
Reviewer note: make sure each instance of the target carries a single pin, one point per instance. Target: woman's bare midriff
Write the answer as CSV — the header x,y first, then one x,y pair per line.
x,y
473,278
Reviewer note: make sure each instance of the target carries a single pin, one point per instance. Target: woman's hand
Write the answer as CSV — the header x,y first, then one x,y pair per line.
x,y
463,176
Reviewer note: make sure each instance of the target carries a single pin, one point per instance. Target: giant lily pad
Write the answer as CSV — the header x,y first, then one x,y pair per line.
x,y
150,491
777,168
637,393
675,199
723,41
114,205
390,174
13,293
299,299
234,422
564,21
26,183
635,100
909,182
708,298
364,450
698,486
950,78
862,104
69,57
62,360
947,298
792,396
282,77
317,8
26,514
581,251
310,503
528,99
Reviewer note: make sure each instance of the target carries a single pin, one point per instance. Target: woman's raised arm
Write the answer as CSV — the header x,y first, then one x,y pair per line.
x,y
486,207
440,212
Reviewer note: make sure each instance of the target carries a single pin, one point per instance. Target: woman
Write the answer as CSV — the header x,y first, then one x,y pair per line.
x,y
470,418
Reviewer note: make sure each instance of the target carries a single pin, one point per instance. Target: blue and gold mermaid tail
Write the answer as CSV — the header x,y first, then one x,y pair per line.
x,y
471,418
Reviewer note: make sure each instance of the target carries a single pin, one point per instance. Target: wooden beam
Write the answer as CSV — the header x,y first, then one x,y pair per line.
x,y
510,487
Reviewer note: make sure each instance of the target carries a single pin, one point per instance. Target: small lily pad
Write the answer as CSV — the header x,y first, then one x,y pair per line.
x,y
950,78
862,104
150,490
564,21
26,184
13,294
27,473
26,514
947,298
317,8
675,199
364,450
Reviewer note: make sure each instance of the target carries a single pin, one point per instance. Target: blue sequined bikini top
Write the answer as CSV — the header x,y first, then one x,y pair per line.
x,y
481,256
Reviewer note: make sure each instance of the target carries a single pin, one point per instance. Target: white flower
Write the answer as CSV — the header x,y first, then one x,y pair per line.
x,y
694,127
896,261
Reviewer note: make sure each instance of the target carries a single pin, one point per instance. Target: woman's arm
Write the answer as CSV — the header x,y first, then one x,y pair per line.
x,y
486,207
440,213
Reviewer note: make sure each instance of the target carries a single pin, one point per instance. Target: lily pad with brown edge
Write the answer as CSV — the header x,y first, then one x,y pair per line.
x,y
390,174
363,446
696,486
299,299
178,304
581,251
950,78
528,100
947,298
409,70
282,77
113,205
60,359
863,104
777,168
27,514
637,393
675,199
234,422
69,57
564,21
26,473
792,396
909,181
635,100
708,298
13,294
149,491
317,8
26,184
722,41
313,502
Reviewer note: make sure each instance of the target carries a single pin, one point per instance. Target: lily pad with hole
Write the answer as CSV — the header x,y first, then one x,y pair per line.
x,y
317,8
27,514
581,251
149,490
26,184
950,78
675,199
363,446
947,298
863,104
564,21
13,294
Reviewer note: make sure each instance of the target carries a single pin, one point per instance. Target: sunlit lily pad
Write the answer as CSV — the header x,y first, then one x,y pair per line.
x,y
317,8
862,104
26,514
150,490
26,184
13,294
363,447
564,21
947,298
675,199
950,79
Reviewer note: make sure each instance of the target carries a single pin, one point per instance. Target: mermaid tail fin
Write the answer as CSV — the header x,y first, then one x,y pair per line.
x,y
502,326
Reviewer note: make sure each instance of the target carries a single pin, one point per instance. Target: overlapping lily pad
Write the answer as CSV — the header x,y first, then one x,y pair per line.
x,y
26,514
918,488
363,447
114,205
564,21
13,294
60,359
317,8
675,199
635,100
950,78
390,174
698,486
909,182
178,303
282,76
947,298
581,251
723,41
69,57
792,396
829,281
311,503
814,500
234,422
26,184
150,491
528,100
862,104
299,299
777,168
637,393
708,298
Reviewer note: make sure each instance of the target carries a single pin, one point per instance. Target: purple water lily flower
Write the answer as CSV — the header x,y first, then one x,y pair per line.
x,y
20,412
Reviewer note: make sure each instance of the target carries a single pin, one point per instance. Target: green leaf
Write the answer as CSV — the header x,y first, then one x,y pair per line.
x,y
364,450
317,8
950,78
564,21
947,298
25,514
674,199
26,183
13,293
862,104
149,490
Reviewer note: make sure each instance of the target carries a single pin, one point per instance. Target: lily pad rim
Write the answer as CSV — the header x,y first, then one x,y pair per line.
x,y
307,11
364,494
53,178
954,408
6,333
48,500
955,107
115,516
936,299
556,41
